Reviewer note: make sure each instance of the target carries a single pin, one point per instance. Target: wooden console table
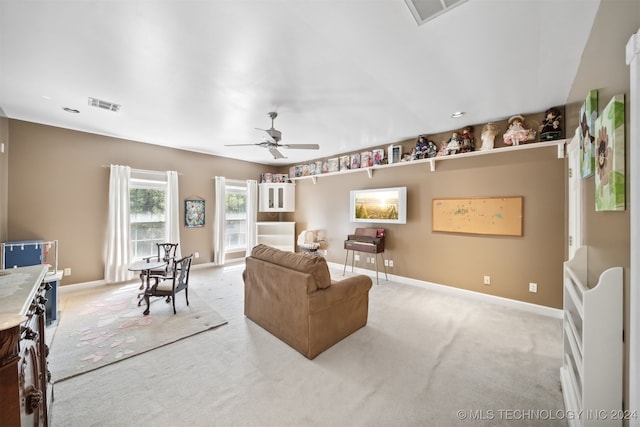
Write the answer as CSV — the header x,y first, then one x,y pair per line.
x,y
25,387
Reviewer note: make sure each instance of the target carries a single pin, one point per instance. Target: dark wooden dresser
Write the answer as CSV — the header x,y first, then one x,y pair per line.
x,y
25,387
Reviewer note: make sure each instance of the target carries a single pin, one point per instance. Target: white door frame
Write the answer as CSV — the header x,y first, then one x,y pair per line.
x,y
574,188
633,60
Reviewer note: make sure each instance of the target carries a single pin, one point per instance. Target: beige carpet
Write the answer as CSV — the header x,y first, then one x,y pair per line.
x,y
425,358
105,325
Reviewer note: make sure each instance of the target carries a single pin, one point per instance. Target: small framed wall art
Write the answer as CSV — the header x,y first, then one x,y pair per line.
x,y
378,156
194,213
395,153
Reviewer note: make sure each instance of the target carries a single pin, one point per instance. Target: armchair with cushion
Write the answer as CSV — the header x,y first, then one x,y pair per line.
x,y
292,296
168,285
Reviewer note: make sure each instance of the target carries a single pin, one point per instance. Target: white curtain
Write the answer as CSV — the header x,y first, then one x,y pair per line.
x,y
172,223
219,226
118,249
252,213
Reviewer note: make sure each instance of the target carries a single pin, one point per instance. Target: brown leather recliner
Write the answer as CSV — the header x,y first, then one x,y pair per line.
x,y
292,296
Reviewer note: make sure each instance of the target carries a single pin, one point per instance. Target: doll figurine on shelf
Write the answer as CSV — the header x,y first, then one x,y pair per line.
x,y
488,136
551,125
516,133
453,145
443,150
468,142
421,147
431,150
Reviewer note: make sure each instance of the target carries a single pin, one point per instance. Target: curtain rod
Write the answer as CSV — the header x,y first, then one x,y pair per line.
x,y
233,179
141,170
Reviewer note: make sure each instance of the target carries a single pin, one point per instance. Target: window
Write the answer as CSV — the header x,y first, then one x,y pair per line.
x,y
147,215
235,217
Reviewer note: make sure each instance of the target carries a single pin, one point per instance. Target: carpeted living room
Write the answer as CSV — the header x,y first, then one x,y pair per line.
x,y
425,357
378,217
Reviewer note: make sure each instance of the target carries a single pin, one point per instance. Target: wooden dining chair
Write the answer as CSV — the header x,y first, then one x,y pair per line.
x,y
168,285
166,253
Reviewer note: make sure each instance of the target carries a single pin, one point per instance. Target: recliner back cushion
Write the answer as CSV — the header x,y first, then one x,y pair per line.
x,y
305,263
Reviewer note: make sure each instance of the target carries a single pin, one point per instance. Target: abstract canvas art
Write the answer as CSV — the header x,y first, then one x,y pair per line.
x,y
194,213
609,164
587,120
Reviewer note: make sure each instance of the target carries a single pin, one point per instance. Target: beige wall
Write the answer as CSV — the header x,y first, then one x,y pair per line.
x,y
59,185
456,259
58,189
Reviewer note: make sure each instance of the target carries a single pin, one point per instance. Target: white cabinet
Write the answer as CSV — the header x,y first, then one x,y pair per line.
x,y
280,235
278,197
591,373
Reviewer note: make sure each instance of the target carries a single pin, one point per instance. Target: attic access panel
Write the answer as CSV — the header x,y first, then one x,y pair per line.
x,y
426,10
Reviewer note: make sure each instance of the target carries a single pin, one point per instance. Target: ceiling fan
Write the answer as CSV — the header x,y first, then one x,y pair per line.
x,y
272,141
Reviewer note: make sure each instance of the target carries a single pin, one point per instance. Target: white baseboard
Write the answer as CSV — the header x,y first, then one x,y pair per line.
x,y
83,285
86,285
520,305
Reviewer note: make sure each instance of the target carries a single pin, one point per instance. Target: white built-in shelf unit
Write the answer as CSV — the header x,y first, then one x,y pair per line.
x,y
558,144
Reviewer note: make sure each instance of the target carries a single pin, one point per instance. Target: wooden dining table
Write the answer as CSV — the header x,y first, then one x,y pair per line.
x,y
145,268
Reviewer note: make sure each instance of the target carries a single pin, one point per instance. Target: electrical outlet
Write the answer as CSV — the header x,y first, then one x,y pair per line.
x,y
357,257
196,254
373,260
67,272
390,263
533,287
324,252
487,280
386,263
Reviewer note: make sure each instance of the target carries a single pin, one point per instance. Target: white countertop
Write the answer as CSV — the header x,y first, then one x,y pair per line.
x,y
18,287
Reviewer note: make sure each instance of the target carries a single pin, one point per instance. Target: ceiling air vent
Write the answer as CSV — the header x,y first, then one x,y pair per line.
x,y
105,105
426,10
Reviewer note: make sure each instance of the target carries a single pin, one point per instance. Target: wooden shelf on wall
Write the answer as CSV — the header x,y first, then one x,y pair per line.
x,y
560,144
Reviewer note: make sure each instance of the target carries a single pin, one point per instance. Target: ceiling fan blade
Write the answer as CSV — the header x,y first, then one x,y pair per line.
x,y
301,146
276,154
239,145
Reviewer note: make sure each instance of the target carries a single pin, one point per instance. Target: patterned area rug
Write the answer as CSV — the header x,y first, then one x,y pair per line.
x,y
106,325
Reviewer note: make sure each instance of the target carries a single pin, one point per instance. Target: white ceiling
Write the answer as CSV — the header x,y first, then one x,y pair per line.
x,y
345,74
